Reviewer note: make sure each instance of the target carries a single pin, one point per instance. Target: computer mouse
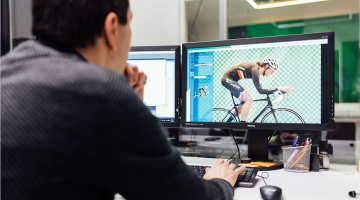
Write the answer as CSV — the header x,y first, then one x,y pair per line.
x,y
270,192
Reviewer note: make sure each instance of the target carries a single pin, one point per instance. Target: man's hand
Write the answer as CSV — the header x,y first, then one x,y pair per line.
x,y
136,79
223,170
286,89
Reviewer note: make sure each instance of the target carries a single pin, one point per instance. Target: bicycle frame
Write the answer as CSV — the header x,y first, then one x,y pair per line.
x,y
268,106
235,107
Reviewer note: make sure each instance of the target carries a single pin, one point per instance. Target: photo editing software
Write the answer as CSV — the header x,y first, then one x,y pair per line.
x,y
159,91
300,67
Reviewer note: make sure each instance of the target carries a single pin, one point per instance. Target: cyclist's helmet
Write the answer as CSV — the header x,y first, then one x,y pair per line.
x,y
272,62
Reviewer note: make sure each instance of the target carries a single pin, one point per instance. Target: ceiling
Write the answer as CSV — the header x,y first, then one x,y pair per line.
x,y
242,13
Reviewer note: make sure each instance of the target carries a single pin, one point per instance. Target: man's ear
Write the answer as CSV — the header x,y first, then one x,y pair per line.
x,y
111,30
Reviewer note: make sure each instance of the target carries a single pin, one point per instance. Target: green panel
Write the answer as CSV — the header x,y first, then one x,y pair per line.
x,y
262,1
263,30
350,71
267,1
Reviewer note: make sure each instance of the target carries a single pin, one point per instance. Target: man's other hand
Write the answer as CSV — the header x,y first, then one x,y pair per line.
x,y
223,170
136,79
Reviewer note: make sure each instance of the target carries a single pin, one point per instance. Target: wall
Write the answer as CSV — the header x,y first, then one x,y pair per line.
x,y
204,27
155,22
158,22
205,32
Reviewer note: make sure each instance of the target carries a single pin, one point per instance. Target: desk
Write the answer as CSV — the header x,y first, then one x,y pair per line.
x,y
332,184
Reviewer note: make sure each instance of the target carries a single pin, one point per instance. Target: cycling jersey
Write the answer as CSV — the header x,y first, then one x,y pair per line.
x,y
244,70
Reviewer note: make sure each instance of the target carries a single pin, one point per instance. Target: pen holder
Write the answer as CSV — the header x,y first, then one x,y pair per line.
x,y
296,159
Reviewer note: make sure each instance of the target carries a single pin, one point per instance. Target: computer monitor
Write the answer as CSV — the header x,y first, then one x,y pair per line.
x,y
161,65
240,84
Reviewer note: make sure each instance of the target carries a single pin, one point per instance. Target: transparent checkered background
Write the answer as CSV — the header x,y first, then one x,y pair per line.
x,y
299,68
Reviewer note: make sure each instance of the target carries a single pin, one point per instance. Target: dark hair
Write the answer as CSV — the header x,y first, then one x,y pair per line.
x,y
261,64
74,22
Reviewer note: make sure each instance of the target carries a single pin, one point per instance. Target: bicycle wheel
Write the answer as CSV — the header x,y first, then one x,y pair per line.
x,y
222,115
283,115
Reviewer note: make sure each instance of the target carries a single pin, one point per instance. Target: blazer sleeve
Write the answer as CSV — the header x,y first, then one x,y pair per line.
x,y
130,153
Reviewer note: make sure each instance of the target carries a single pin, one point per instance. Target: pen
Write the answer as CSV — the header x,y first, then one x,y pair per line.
x,y
294,144
301,143
301,150
293,151
295,141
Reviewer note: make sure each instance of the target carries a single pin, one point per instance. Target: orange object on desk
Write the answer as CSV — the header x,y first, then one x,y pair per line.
x,y
264,164
249,165
258,164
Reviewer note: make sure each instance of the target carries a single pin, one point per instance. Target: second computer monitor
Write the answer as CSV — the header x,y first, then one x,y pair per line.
x,y
161,65
240,83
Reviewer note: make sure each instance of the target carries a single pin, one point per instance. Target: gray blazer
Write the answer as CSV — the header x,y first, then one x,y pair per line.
x,y
75,130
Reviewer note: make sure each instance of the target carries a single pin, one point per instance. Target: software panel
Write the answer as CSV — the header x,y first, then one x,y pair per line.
x,y
289,79
162,89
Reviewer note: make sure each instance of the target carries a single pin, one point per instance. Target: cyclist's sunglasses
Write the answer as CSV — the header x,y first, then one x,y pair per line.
x,y
272,70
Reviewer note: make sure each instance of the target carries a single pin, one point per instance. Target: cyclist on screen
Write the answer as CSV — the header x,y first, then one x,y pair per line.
x,y
249,70
201,90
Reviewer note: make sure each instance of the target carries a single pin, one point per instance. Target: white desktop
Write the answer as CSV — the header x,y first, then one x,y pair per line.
x,y
334,184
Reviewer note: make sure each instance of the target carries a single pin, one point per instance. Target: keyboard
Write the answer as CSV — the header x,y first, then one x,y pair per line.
x,y
245,179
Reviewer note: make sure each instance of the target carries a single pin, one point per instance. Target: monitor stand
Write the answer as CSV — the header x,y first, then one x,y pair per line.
x,y
258,149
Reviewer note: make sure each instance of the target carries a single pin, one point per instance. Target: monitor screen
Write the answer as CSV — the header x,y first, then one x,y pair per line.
x,y
161,64
281,83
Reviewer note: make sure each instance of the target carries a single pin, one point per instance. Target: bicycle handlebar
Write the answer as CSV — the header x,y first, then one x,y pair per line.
x,y
281,96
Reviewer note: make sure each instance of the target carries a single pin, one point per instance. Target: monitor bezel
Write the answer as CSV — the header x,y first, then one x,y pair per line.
x,y
175,48
329,87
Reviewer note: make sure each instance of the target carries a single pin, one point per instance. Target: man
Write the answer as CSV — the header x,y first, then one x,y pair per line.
x,y
73,125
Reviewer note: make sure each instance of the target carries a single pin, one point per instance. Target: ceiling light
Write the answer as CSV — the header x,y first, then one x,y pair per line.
x,y
280,3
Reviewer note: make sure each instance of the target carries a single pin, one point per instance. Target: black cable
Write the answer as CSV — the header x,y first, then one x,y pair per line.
x,y
271,136
268,139
192,133
195,18
231,157
230,131
263,177
191,141
202,154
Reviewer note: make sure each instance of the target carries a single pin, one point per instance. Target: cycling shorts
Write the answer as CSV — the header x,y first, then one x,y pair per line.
x,y
233,87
